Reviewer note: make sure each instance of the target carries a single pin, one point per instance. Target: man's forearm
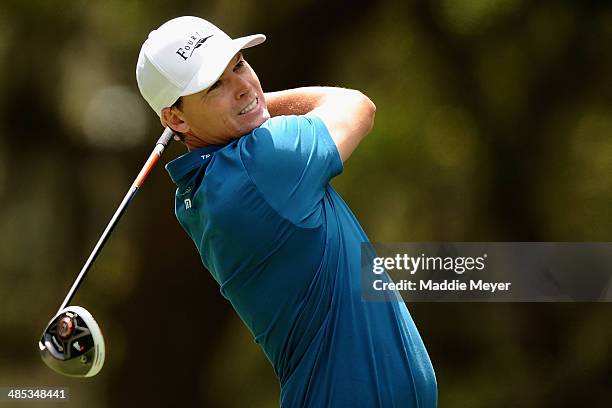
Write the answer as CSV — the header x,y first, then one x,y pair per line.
x,y
347,114
298,101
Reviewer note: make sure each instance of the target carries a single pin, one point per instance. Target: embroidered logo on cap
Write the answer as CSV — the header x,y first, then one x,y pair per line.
x,y
192,44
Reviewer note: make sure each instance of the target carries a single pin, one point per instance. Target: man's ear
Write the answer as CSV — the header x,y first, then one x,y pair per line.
x,y
173,119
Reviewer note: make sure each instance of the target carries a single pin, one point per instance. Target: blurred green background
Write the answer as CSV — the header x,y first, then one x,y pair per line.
x,y
494,123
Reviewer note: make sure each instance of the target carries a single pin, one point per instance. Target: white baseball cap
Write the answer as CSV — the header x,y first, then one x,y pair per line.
x,y
184,56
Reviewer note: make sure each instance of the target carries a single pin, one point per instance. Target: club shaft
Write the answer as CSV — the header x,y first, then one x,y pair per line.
x,y
144,172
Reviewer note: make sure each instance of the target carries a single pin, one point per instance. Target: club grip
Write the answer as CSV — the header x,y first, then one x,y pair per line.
x,y
165,137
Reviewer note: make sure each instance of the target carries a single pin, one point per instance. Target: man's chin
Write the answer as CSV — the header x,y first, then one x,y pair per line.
x,y
252,126
265,116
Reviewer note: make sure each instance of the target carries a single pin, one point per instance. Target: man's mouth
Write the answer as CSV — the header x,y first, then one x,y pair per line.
x,y
249,107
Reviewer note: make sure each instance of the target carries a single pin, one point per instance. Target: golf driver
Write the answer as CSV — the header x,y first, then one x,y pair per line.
x,y
72,343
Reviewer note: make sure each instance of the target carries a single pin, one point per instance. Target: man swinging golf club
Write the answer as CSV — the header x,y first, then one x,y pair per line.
x,y
254,196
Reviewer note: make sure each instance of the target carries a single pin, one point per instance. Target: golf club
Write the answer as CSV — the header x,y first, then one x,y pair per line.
x,y
72,343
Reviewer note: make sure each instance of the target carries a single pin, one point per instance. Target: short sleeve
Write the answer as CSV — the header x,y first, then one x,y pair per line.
x,y
291,160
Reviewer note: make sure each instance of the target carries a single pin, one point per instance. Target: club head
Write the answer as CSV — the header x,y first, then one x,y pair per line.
x,y
72,343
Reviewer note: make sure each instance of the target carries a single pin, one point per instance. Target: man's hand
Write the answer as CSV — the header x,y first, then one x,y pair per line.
x,y
348,114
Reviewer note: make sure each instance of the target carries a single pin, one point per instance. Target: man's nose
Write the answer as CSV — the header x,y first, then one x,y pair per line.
x,y
242,87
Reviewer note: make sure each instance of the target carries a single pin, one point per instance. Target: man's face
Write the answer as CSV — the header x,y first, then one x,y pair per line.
x,y
230,108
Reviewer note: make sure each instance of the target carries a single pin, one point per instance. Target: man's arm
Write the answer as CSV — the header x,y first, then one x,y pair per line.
x,y
348,114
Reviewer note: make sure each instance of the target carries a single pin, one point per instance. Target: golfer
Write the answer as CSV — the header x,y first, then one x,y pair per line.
x,y
254,196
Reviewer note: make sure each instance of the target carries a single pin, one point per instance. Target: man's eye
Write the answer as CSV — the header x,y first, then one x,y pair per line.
x,y
239,65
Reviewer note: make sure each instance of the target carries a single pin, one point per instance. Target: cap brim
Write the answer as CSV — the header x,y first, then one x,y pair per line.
x,y
217,60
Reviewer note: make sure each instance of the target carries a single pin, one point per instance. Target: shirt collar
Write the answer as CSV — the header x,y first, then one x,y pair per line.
x,y
179,167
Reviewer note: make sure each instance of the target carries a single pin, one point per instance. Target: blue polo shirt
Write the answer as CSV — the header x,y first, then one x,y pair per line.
x,y
285,250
